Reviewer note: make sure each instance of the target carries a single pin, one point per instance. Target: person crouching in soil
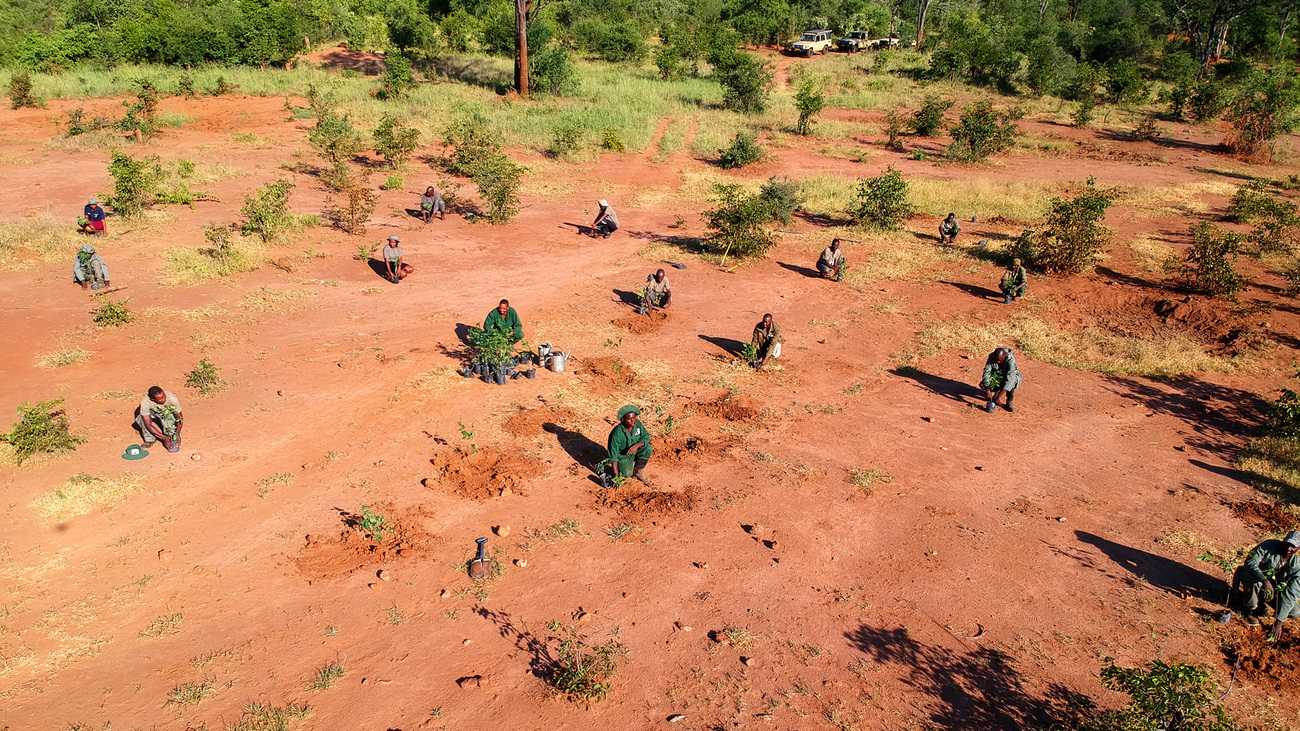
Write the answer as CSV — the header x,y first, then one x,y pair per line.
x,y
159,419
1014,282
629,445
94,219
431,204
832,263
89,269
606,221
949,229
766,340
1271,575
658,292
1000,377
397,269
505,318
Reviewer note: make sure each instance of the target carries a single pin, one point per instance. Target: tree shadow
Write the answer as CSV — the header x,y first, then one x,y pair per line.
x,y
946,387
823,221
579,448
1243,177
980,688
728,345
628,298
1130,280
806,271
541,663
1222,417
688,244
974,290
1233,474
473,71
1157,571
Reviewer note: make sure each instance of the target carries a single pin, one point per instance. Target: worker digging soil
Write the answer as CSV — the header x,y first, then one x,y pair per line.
x,y
832,263
1001,377
394,267
606,221
89,269
432,204
1014,282
1271,576
658,292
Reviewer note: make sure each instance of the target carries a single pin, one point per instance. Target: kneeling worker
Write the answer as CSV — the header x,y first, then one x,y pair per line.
x,y
1014,282
766,340
505,318
658,292
629,445
832,262
159,419
1271,568
1000,377
89,270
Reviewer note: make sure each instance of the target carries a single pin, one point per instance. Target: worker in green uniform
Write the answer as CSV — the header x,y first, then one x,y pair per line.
x,y
505,318
1014,282
629,445
1271,574
1001,376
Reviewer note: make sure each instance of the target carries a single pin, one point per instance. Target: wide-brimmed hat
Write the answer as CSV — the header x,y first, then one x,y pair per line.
x,y
394,238
135,452
1293,538
92,202
629,409
603,203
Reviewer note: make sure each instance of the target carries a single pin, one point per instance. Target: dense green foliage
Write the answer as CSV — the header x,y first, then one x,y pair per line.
x,y
736,223
809,99
1074,236
267,211
744,150
41,428
1210,264
1162,697
881,202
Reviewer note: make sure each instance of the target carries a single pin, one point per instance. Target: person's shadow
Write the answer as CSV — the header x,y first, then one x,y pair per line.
x,y
801,270
974,290
579,448
415,213
628,298
462,332
946,387
378,267
732,347
585,230
1158,571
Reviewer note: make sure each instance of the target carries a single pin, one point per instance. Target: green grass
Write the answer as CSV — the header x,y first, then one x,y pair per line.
x,y
259,717
326,675
190,694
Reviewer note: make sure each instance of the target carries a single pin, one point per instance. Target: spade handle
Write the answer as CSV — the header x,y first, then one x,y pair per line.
x,y
482,549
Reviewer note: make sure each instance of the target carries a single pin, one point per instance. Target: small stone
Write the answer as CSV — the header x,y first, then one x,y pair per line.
x,y
363,681
584,616
979,467
470,681
279,393
1061,519
521,563
676,717
165,555
384,575
376,587
755,529
446,594
502,530
927,419
686,628
747,660
196,457
701,564
466,641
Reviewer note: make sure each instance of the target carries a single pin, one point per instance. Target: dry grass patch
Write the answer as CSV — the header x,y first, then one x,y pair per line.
x,y
259,717
1183,199
1150,253
269,300
188,265
82,493
63,357
43,236
190,694
831,195
168,624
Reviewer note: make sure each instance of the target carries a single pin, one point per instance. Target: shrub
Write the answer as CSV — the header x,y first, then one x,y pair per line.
x,y
20,92
928,120
1265,108
142,114
809,99
471,143
205,378
1162,696
1208,100
358,201
881,202
1086,111
1284,417
894,124
112,313
1147,130
1249,202
983,132
1209,266
567,139
223,257
1277,228
41,427
395,141
492,347
267,211
372,524
746,81
222,87
333,137
397,79
77,124
744,150
552,72
582,671
134,184
612,141
736,223
1124,82
185,87
1074,236
782,196
498,179
393,182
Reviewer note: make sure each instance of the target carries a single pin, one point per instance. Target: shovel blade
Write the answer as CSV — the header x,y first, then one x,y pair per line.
x,y
480,568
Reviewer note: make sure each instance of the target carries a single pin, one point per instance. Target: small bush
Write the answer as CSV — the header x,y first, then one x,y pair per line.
x,y
372,524
77,124
267,211
1249,202
205,378
983,132
1074,236
471,142
1277,228
612,141
357,203
736,223
1162,696
113,313
782,196
1208,101
881,202
498,179
567,139
397,79
744,150
493,347
223,257
582,671
1265,108
928,120
1284,417
1084,114
552,72
135,184
1209,266
20,92
142,114
746,81
41,428
809,99
894,124
1147,130
185,87
333,137
395,141
393,182
222,87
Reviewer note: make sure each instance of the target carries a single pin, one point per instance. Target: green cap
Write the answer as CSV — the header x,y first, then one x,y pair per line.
x,y
629,409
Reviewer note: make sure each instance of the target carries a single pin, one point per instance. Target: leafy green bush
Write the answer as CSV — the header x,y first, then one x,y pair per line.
x,y
1208,100
1284,417
744,150
493,347
553,72
394,141
894,124
1277,228
141,114
983,132
1074,236
782,196
333,137
1249,201
20,92
1124,83
222,88
135,184
809,99
113,313
1209,266
736,223
471,142
1162,696
568,138
1085,112
498,179
205,378
881,202
357,203
928,120
41,427
677,54
397,79
1264,108
185,87
746,81
267,211
393,182
611,141
372,524
582,671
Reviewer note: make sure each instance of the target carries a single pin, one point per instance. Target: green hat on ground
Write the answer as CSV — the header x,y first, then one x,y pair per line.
x,y
135,452
629,409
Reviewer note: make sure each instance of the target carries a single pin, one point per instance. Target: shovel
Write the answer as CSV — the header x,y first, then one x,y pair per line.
x,y
1225,616
481,566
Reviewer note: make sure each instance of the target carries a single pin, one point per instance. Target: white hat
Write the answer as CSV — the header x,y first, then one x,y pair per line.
x,y
1293,538
92,202
604,204
394,238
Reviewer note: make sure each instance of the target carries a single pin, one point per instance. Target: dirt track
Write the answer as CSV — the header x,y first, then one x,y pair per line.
x,y
1007,555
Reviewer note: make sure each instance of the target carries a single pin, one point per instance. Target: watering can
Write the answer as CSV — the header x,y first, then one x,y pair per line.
x,y
558,361
543,351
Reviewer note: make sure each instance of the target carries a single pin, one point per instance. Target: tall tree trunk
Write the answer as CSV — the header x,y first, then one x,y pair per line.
x,y
1042,8
1072,7
521,47
924,9
1284,20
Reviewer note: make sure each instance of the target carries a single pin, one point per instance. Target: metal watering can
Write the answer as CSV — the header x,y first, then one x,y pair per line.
x,y
543,351
558,361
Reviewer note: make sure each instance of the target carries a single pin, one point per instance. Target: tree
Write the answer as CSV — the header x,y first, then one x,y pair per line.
x,y
1206,23
923,9
1162,696
809,100
395,141
526,11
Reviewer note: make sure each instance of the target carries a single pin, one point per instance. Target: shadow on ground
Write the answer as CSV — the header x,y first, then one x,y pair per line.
x,y
1222,417
1140,566
946,387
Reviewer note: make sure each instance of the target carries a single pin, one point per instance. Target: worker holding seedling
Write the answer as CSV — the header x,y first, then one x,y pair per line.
x,y
396,268
505,319
89,270
832,263
658,292
1271,575
606,221
1000,377
431,203
629,445
159,419
766,340
949,229
93,219
1014,281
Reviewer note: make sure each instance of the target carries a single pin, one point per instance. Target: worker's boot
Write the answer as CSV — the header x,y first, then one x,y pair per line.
x,y
637,468
1011,395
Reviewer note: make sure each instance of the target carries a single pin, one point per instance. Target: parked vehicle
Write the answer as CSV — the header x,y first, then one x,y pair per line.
x,y
855,41
880,44
812,41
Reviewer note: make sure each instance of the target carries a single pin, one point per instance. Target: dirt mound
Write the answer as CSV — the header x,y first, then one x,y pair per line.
x,y
529,423
1275,666
631,502
609,371
403,536
679,448
341,57
642,324
1135,315
486,474
1265,516
725,407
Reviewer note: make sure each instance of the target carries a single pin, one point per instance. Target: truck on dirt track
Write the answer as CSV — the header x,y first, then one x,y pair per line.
x,y
812,41
855,41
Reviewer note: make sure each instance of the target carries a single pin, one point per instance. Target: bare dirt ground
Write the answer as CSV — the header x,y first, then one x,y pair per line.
x,y
984,580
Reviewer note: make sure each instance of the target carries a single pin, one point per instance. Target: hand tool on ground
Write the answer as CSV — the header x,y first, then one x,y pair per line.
x,y
481,566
